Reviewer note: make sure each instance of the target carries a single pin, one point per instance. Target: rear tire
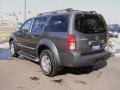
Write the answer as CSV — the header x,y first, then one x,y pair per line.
x,y
13,49
48,63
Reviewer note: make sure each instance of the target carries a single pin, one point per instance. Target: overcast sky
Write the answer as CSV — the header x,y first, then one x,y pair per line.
x,y
110,9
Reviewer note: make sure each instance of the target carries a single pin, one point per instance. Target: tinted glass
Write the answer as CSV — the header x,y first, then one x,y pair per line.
x,y
36,25
90,24
39,24
26,26
44,19
58,24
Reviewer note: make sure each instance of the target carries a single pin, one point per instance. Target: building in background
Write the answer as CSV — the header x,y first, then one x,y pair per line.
x,y
114,28
14,18
8,20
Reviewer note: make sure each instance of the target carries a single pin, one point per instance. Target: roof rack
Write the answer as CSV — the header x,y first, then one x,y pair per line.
x,y
57,11
65,10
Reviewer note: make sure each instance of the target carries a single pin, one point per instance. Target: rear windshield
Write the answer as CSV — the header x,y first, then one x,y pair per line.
x,y
90,24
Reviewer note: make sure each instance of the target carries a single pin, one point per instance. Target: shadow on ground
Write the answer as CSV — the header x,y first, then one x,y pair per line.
x,y
83,70
5,55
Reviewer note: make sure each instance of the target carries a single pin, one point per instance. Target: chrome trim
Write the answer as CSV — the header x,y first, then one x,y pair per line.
x,y
25,46
31,57
33,19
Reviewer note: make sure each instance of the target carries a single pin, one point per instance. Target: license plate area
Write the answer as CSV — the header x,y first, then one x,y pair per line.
x,y
95,46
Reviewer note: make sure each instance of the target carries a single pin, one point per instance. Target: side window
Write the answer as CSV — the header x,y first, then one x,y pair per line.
x,y
38,25
58,24
44,19
26,26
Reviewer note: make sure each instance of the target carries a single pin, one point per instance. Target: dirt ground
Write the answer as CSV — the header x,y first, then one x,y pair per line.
x,y
21,74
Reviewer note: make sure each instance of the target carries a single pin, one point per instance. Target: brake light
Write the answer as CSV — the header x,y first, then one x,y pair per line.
x,y
71,42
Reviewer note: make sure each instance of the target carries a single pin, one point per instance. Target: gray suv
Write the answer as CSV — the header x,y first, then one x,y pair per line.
x,y
69,38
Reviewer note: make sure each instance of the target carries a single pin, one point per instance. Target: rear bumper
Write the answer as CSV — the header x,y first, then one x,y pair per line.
x,y
75,59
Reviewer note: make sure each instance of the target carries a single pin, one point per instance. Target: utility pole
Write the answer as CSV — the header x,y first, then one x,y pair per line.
x,y
25,11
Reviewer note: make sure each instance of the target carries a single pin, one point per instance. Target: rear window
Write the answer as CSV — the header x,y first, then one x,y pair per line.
x,y
90,24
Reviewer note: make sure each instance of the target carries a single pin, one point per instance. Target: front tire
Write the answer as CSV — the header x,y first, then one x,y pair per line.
x,y
48,63
13,49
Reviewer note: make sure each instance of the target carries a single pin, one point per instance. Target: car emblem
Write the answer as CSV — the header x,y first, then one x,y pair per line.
x,y
97,38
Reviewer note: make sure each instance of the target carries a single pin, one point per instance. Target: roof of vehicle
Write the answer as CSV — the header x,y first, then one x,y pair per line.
x,y
66,11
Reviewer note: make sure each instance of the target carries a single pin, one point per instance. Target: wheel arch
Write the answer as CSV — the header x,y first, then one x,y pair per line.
x,y
12,38
48,44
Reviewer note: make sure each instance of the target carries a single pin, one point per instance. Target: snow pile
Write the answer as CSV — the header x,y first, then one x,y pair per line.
x,y
4,45
113,46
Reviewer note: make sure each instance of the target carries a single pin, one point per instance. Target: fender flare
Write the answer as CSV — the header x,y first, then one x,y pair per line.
x,y
13,38
52,47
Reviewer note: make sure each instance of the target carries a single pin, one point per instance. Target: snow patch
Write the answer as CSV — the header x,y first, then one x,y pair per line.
x,y
113,46
4,45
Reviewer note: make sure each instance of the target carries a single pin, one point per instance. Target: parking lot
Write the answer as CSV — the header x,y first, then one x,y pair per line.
x,y
22,74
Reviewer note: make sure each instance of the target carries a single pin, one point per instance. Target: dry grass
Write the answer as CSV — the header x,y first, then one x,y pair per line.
x,y
4,36
5,33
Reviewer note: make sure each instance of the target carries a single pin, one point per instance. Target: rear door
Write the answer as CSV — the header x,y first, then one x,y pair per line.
x,y
56,31
91,33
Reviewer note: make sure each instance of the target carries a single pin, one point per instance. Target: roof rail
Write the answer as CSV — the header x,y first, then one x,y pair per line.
x,y
65,10
94,12
57,11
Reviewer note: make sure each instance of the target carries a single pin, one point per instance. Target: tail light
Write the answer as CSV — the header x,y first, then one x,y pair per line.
x,y
71,42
